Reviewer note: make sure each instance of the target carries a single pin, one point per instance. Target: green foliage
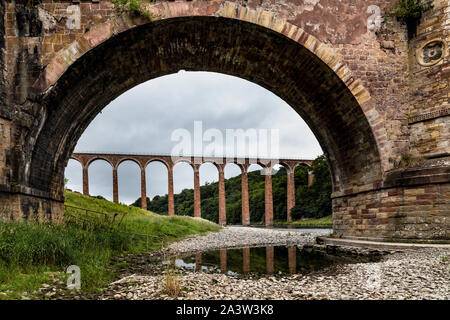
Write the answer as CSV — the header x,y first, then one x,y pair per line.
x,y
98,203
409,12
134,6
325,222
409,9
29,249
311,201
314,201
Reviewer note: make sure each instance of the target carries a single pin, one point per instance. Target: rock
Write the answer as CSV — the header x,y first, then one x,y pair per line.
x,y
409,274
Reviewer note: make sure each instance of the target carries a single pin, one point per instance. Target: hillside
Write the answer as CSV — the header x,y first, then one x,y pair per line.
x,y
143,221
311,201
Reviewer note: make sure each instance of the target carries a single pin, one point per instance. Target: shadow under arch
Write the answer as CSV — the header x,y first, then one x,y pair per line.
x,y
202,43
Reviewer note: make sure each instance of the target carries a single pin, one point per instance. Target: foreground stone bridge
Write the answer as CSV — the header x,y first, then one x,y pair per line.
x,y
170,161
377,103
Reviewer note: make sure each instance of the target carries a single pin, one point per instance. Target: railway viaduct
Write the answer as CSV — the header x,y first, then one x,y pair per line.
x,y
85,159
377,101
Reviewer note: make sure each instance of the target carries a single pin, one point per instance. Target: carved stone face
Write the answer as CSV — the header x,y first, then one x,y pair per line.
x,y
431,53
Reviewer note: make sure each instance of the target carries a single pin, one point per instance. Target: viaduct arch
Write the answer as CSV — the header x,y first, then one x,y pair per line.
x,y
336,64
85,159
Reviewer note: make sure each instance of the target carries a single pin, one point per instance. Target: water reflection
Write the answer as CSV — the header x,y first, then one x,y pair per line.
x,y
261,260
246,262
223,260
292,258
198,261
269,259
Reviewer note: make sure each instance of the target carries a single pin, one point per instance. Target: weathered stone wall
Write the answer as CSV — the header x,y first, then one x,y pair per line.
x,y
5,146
63,61
375,52
429,109
2,54
416,209
398,213
17,206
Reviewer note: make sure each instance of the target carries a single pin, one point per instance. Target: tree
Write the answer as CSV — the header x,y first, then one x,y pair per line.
x,y
313,201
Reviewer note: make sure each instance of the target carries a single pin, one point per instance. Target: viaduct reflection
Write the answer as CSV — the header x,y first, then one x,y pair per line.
x,y
246,260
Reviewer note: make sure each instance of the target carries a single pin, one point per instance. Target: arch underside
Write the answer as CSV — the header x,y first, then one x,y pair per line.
x,y
212,44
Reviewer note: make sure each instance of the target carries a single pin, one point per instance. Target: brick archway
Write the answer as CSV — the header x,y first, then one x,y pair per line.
x,y
261,55
353,125
295,74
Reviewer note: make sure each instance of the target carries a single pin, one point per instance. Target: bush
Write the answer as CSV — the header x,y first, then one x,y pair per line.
x,y
409,12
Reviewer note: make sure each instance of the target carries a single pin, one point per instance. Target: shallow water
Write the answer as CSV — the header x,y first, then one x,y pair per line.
x,y
322,231
261,261
318,231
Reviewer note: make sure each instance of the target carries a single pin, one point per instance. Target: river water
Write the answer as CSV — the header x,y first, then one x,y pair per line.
x,y
261,261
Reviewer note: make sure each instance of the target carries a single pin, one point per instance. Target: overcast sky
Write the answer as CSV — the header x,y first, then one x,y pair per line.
x,y
143,119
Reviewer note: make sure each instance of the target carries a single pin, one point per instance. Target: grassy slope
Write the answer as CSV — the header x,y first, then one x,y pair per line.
x,y
30,252
142,221
325,222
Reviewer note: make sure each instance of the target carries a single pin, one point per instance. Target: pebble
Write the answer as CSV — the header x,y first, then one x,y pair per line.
x,y
410,274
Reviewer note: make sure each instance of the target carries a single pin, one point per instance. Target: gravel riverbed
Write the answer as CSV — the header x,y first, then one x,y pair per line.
x,y
239,237
410,274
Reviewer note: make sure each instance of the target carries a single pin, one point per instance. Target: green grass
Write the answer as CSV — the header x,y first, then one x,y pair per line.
x,y
325,222
78,200
30,250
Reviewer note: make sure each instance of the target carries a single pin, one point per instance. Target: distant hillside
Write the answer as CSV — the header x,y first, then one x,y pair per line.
x,y
311,202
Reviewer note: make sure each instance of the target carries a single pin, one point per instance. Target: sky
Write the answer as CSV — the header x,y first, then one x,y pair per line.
x,y
143,120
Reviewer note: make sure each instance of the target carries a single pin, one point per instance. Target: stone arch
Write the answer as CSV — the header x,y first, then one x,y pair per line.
x,y
301,163
76,159
132,183
287,166
93,159
191,166
104,168
216,165
285,60
233,210
177,161
158,160
121,160
233,163
153,170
